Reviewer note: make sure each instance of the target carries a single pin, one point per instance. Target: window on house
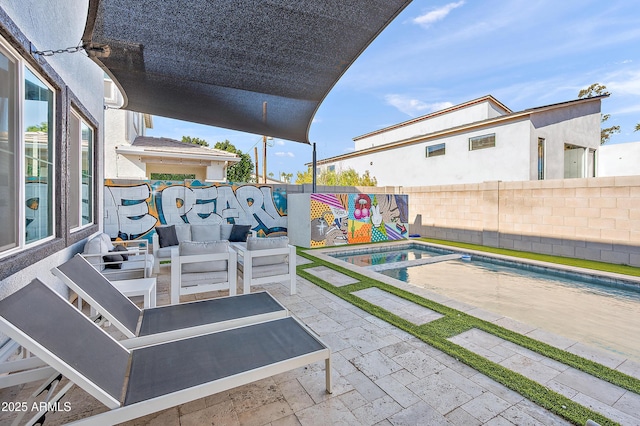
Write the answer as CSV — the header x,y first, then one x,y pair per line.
x,y
38,157
574,161
541,147
435,150
592,166
81,171
482,142
9,157
26,154
331,168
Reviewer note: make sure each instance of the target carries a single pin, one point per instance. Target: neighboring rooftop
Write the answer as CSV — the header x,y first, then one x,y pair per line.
x,y
161,147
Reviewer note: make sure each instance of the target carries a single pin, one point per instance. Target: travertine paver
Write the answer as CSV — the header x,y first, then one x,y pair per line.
x,y
610,400
381,375
332,277
396,305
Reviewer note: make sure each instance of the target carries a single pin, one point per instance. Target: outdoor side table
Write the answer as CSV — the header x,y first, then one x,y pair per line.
x,y
139,287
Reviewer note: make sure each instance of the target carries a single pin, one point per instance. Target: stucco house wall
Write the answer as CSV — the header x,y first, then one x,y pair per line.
x,y
576,124
621,159
78,84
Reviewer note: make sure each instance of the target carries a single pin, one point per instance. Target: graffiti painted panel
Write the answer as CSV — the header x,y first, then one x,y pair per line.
x,y
133,210
338,219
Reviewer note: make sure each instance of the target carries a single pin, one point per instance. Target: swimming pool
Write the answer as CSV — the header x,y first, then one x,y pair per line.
x,y
600,312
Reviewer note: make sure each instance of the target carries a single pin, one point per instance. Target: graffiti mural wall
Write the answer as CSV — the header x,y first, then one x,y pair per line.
x,y
338,219
133,210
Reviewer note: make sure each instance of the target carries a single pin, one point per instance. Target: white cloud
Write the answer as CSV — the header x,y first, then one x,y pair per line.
x,y
284,154
624,83
436,15
279,142
414,107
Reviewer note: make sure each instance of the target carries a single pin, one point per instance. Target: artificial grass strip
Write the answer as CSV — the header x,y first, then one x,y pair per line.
x,y
568,261
455,322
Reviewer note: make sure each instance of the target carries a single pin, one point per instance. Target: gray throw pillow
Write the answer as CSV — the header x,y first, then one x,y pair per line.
x,y
122,248
239,233
167,236
189,248
225,231
254,243
113,258
183,232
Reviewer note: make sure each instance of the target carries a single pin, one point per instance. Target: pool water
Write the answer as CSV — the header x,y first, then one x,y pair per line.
x,y
586,311
382,257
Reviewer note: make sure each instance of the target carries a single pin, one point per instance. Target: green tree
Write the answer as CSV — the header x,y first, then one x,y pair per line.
x,y
241,171
286,177
597,89
196,141
42,127
347,177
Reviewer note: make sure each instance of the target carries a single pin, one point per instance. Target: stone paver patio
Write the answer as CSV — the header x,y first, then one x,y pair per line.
x,y
381,375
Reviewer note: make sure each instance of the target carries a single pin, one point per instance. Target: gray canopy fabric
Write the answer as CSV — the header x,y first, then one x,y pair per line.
x,y
218,62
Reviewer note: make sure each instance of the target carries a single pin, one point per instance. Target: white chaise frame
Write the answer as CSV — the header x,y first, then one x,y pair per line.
x,y
119,413
132,341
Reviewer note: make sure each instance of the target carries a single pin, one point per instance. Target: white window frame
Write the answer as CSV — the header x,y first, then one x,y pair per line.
x,y
431,154
81,121
476,138
19,106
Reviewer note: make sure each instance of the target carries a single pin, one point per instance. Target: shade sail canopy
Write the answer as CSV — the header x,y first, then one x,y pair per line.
x,y
218,62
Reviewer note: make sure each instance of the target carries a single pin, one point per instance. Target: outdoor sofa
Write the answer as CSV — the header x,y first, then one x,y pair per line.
x,y
167,238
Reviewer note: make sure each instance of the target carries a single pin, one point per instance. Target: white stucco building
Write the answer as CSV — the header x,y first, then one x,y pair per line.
x,y
130,154
622,159
480,140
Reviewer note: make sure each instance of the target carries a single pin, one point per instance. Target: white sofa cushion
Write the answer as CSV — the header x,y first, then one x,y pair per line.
x,y
254,244
205,232
189,248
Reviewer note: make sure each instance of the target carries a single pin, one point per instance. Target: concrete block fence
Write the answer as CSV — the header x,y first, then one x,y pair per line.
x,y
593,218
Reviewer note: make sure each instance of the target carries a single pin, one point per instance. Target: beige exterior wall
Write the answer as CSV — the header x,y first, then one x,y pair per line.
x,y
596,218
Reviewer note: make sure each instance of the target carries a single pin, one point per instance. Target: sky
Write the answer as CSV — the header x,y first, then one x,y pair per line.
x,y
436,54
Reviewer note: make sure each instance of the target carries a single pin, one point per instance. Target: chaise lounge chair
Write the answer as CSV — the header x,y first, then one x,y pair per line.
x,y
137,382
152,325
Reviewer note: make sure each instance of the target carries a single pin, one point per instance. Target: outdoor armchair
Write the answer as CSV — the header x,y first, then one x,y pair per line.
x,y
266,260
198,267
